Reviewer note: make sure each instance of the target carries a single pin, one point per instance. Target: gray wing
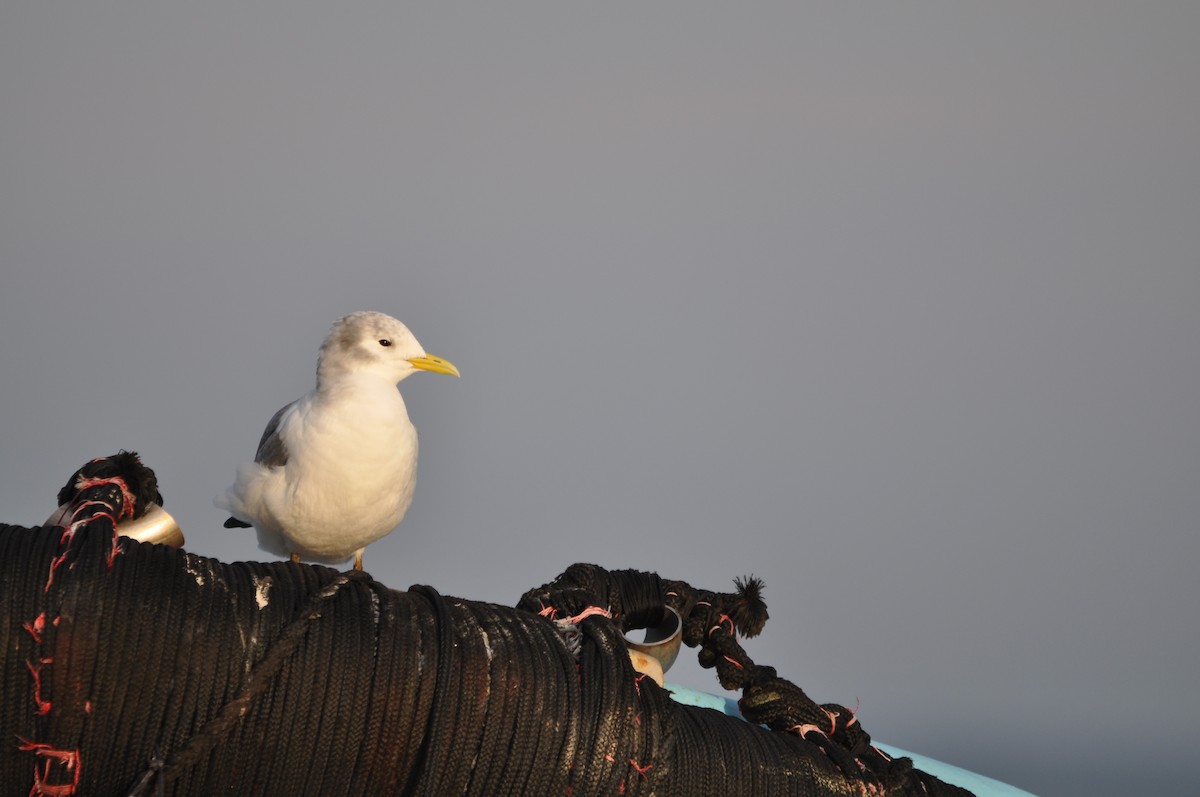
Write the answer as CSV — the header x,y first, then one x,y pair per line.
x,y
271,450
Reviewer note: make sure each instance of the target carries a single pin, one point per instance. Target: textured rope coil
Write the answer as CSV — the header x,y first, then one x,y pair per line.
x,y
135,669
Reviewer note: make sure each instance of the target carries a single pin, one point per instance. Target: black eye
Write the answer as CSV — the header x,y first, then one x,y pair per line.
x,y
385,342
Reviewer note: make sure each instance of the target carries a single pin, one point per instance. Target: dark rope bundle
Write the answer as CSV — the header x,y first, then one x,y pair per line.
x,y
176,672
712,622
138,669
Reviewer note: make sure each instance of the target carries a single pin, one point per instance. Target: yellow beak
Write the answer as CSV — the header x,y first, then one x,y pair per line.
x,y
435,364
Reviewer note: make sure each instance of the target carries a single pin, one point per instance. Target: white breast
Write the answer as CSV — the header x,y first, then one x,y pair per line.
x,y
351,469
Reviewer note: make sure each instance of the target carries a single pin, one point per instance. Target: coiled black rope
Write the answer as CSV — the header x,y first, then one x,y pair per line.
x,y
258,681
712,622
136,669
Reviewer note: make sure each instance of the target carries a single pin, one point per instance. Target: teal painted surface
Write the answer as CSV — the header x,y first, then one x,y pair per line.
x,y
980,785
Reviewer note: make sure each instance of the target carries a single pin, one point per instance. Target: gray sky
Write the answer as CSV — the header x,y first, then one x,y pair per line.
x,y
896,307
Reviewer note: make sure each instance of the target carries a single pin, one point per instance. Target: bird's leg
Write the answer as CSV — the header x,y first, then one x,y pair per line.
x,y
295,558
358,559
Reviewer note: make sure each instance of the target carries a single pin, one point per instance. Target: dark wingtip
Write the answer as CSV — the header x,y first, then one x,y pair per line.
x,y
234,523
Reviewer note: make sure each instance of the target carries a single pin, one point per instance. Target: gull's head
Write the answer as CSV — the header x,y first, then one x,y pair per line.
x,y
376,343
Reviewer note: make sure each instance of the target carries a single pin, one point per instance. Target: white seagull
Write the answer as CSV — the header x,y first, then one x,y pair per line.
x,y
335,469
